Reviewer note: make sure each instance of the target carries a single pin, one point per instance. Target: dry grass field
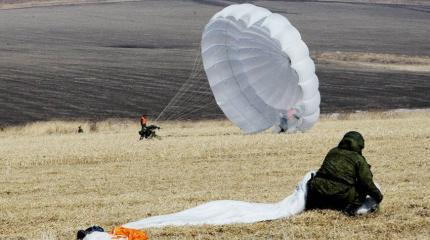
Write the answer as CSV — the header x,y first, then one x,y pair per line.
x,y
55,181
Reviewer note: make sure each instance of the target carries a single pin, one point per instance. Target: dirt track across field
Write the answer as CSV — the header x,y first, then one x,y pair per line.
x,y
119,60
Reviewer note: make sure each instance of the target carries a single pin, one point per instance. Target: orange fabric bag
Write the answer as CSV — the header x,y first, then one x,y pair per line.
x,y
131,234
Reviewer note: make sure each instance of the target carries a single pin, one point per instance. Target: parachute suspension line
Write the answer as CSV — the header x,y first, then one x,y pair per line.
x,y
198,91
186,88
185,114
195,110
181,90
199,94
196,95
185,95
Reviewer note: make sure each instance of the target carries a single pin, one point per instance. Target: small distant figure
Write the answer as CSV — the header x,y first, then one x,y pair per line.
x,y
283,124
289,121
80,130
147,132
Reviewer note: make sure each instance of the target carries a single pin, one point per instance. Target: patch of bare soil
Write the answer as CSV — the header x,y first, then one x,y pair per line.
x,y
14,4
394,2
394,62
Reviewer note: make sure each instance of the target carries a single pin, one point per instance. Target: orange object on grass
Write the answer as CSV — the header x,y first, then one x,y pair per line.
x,y
131,234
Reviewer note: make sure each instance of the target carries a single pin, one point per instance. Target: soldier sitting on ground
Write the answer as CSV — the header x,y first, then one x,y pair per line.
x,y
344,180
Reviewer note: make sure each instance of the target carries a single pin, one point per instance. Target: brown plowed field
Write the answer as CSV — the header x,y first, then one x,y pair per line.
x,y
119,60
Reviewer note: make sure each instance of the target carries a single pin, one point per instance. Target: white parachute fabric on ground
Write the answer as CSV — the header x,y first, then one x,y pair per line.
x,y
259,68
229,212
98,236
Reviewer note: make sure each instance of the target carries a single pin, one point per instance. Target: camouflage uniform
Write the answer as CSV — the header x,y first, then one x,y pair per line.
x,y
344,179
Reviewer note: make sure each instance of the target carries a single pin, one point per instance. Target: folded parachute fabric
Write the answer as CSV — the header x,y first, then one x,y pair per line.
x,y
229,212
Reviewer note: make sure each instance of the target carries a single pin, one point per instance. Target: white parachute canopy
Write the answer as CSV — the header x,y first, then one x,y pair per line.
x,y
259,70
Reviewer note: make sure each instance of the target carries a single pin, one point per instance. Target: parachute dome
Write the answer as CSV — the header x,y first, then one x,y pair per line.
x,y
259,69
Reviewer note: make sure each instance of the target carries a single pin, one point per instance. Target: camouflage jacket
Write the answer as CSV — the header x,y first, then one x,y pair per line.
x,y
347,175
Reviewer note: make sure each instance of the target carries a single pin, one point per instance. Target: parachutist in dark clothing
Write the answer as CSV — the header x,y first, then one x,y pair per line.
x,y
283,125
148,132
288,121
344,179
